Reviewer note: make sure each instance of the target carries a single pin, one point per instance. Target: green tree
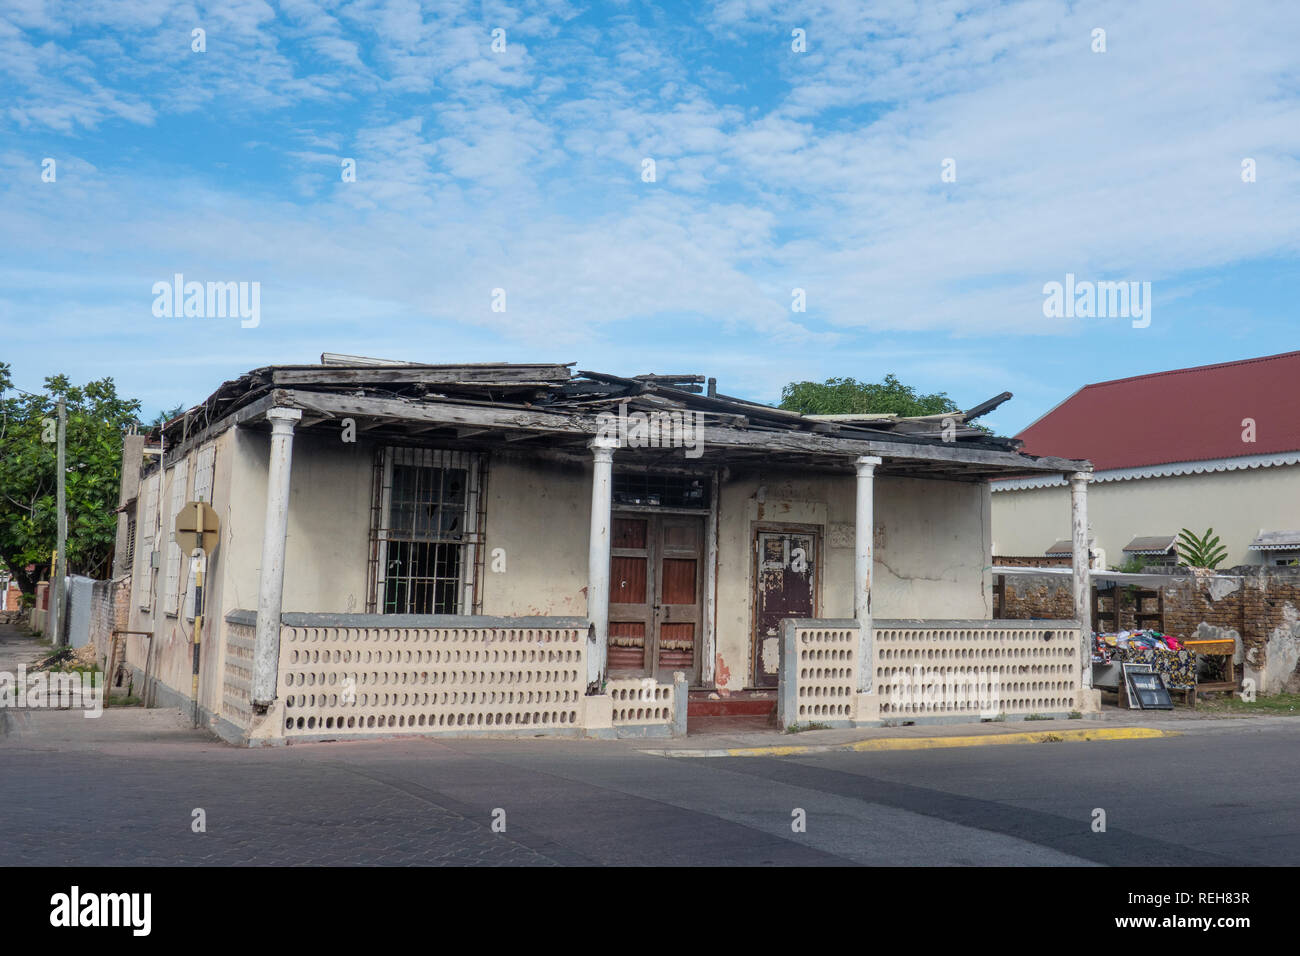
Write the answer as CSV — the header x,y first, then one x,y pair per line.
x,y
166,415
848,396
97,418
1203,551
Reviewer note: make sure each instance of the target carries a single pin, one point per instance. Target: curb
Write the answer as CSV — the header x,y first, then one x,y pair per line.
x,y
929,743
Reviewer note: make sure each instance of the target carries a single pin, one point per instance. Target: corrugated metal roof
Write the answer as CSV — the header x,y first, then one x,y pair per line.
x,y
1192,414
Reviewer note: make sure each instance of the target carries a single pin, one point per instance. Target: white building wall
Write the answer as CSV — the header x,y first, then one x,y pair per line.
x,y
1236,504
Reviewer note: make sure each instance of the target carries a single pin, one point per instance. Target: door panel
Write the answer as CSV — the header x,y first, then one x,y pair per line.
x,y
626,646
627,580
786,584
655,614
679,580
628,532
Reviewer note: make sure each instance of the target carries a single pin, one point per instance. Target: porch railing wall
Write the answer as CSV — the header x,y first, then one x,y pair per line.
x,y
981,669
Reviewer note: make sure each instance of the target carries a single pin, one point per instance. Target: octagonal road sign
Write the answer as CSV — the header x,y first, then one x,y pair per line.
x,y
196,527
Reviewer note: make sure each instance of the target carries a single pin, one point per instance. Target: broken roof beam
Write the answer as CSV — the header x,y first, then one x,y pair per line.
x,y
336,358
430,412
469,375
686,383
856,417
951,451
983,408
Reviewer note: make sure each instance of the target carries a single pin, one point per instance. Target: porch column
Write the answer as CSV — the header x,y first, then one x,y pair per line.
x,y
270,590
602,451
1082,563
863,540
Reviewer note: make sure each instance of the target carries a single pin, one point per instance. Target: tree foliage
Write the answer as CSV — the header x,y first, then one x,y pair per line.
x,y
96,420
848,396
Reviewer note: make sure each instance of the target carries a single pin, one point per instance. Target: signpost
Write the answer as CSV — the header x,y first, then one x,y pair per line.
x,y
196,534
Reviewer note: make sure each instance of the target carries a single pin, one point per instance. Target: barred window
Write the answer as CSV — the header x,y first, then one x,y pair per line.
x,y
426,540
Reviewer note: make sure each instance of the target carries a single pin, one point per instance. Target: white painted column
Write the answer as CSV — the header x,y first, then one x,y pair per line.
x,y
1082,563
863,558
602,488
270,590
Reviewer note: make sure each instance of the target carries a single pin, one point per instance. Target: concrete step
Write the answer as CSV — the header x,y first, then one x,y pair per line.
x,y
745,703
697,726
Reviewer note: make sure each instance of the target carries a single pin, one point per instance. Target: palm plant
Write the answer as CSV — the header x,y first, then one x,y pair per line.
x,y
1201,551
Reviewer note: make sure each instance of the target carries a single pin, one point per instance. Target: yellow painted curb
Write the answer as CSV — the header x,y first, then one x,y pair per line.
x,y
932,743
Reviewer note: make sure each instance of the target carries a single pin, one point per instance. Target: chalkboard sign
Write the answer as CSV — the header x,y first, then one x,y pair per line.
x,y
1146,688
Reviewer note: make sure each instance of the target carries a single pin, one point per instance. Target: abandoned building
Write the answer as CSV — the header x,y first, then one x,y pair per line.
x,y
430,549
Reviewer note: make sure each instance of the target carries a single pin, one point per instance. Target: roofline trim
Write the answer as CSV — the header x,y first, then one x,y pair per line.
x,y
1157,471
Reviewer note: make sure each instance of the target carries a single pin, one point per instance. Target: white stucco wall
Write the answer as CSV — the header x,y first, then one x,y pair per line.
x,y
1237,504
539,516
173,633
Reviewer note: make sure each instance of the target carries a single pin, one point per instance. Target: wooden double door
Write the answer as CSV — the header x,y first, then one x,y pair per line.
x,y
655,595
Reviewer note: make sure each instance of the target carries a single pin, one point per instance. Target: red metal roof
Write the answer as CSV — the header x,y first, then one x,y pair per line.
x,y
1190,414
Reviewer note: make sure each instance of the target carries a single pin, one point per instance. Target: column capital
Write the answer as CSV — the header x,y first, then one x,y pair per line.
x,y
283,417
866,464
602,447
1081,476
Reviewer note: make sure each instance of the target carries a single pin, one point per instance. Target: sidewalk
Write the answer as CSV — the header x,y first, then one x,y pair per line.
x,y
17,648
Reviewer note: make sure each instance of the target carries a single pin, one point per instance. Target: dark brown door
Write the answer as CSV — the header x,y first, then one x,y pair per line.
x,y
655,614
786,575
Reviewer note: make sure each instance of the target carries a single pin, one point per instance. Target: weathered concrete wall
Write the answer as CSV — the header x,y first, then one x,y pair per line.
x,y
931,559
539,516
1237,504
173,633
328,542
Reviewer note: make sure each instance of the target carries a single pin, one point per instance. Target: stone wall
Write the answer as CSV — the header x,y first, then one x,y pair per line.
x,y
1258,607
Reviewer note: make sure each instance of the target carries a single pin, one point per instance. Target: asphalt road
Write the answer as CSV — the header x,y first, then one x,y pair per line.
x,y
1223,792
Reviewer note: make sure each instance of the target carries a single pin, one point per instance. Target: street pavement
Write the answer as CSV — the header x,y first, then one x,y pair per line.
x,y
126,788
123,788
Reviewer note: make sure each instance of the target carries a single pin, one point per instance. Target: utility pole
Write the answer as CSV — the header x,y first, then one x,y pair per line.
x,y
60,561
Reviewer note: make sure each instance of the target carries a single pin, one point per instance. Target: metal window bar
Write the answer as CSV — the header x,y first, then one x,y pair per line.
x,y
427,521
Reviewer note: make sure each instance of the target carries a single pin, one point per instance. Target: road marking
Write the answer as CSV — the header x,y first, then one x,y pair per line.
x,y
929,743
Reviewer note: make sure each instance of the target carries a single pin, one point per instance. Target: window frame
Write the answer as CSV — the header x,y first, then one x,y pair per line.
x,y
382,534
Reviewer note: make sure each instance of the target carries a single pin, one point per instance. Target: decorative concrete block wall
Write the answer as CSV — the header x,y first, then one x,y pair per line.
x,y
976,669
819,672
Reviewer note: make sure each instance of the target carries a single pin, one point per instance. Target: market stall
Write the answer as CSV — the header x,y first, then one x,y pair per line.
x,y
1166,655
1185,664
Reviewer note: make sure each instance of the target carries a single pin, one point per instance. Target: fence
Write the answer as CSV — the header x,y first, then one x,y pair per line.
x,y
976,668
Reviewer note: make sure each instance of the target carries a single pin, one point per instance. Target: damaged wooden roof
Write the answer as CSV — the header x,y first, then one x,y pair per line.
x,y
552,406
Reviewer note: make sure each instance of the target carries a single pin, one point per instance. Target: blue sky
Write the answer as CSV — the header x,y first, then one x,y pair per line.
x,y
775,170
